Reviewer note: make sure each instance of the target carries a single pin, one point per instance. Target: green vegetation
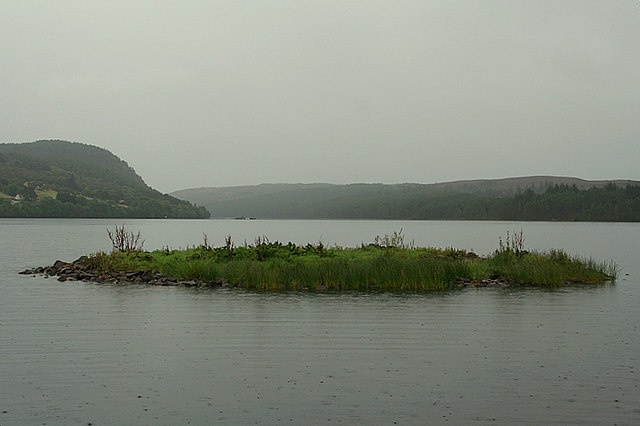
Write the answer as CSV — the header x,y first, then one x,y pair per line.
x,y
388,264
544,199
64,179
610,203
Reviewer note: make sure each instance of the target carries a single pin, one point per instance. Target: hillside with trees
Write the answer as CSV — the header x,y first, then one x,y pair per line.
x,y
56,178
542,198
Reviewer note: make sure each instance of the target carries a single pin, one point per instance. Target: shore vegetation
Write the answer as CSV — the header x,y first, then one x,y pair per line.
x,y
386,264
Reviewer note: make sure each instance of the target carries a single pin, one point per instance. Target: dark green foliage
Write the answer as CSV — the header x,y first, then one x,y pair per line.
x,y
89,181
560,202
12,189
92,208
609,203
66,197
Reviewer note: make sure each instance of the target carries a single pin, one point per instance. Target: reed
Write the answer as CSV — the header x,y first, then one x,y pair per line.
x,y
386,265
551,268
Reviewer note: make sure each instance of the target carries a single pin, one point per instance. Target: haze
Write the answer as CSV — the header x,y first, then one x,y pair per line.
x,y
221,93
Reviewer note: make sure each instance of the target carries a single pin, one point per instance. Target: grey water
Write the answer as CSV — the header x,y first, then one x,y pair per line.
x,y
88,353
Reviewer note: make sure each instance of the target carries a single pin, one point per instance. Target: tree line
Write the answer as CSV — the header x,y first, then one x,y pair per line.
x,y
557,202
71,206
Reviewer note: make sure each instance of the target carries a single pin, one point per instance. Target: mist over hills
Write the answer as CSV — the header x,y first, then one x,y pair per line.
x,y
54,178
520,198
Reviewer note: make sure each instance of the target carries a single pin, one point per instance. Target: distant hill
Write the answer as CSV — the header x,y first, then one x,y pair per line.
x,y
56,178
511,186
522,198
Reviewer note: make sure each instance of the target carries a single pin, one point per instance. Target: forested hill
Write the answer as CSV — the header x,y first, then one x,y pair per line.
x,y
56,178
528,198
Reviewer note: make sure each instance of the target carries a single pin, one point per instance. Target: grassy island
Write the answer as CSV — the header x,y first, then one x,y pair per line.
x,y
387,264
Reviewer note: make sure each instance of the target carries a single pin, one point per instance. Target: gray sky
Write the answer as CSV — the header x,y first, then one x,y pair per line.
x,y
218,93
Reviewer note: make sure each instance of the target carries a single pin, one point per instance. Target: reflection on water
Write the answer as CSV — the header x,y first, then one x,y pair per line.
x,y
86,352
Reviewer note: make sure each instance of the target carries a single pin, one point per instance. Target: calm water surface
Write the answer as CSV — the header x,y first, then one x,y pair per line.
x,y
79,353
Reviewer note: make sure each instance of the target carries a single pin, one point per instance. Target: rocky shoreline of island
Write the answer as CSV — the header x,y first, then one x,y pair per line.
x,y
77,271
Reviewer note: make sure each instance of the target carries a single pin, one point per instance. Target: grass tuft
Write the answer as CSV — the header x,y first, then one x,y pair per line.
x,y
388,264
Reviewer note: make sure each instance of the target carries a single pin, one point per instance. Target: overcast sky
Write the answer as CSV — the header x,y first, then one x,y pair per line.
x,y
220,93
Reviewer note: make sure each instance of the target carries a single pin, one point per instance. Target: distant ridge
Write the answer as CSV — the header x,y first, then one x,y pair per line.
x,y
511,185
482,199
54,178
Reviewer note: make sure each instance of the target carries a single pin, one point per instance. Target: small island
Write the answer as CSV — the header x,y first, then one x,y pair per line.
x,y
387,264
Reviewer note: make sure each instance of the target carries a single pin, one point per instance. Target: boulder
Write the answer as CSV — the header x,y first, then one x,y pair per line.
x,y
59,264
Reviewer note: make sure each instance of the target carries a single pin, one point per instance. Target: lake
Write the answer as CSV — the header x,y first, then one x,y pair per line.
x,y
88,353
